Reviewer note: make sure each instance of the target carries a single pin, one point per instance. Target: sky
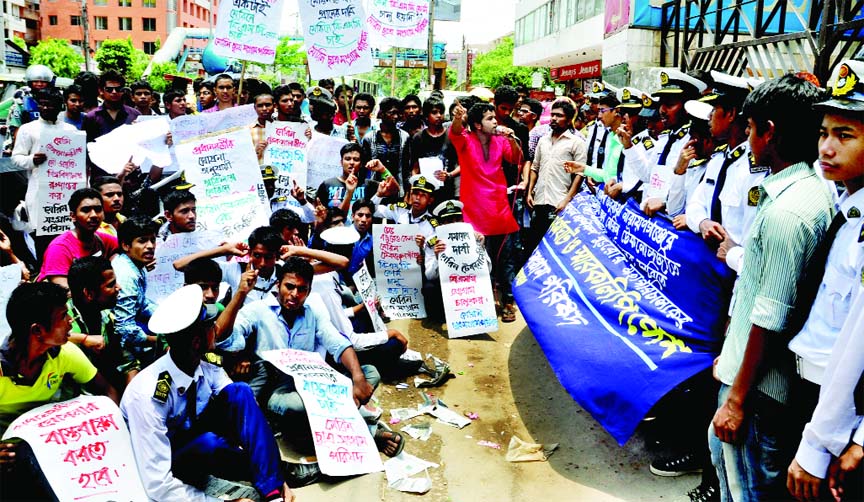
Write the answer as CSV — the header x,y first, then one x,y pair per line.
x,y
482,21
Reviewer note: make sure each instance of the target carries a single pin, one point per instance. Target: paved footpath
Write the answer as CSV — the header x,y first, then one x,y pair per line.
x,y
507,381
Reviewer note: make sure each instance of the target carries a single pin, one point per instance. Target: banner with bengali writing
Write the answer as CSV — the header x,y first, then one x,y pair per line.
x,y
83,448
163,279
323,159
397,273
624,307
186,127
337,39
367,290
231,199
399,23
64,171
466,286
248,29
343,443
286,153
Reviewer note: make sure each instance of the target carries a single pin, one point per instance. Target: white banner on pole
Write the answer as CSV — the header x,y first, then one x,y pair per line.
x,y
399,278
337,40
64,171
398,24
248,29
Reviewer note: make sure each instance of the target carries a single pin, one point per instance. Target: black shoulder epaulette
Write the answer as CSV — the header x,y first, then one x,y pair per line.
x,y
722,148
698,162
213,358
589,124
432,221
648,143
163,387
636,140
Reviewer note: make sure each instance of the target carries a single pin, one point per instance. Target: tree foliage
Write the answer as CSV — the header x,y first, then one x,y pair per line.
x,y
58,55
20,42
121,56
157,79
495,68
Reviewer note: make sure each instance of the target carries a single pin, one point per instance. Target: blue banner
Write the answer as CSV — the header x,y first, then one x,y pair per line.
x,y
624,306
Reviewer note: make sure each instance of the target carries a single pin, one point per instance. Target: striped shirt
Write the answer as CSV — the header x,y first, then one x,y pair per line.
x,y
795,208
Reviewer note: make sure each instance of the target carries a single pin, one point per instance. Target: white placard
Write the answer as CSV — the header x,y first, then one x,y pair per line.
x,y
83,448
397,273
469,304
164,279
343,444
64,171
186,127
286,152
248,29
337,41
403,23
10,277
429,166
323,159
366,287
231,199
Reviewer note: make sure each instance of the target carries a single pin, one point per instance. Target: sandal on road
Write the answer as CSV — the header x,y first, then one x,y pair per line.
x,y
388,441
509,313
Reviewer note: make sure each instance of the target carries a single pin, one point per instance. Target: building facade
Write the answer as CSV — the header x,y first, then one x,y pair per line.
x,y
146,22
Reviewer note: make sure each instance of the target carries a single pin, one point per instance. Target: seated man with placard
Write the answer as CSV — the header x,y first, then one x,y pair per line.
x,y
287,321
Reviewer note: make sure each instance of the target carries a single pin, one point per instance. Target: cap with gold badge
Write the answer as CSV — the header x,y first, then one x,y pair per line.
x,y
424,184
727,90
268,174
650,107
675,82
448,209
318,92
847,89
598,90
630,98
180,310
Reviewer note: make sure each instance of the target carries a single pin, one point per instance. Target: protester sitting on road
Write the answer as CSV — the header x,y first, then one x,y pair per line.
x,y
137,237
34,361
188,420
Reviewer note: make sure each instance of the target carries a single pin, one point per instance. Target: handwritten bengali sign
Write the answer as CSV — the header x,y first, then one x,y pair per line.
x,y
83,448
337,41
323,159
186,127
286,152
463,266
248,29
227,183
64,171
343,444
609,295
397,273
10,277
366,287
163,279
399,23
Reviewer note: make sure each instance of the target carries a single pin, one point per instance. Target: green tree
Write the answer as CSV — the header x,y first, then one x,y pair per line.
x,y
495,68
157,79
121,56
19,42
58,55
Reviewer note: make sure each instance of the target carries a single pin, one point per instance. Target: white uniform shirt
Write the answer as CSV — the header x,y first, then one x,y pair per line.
x,y
596,132
682,187
836,292
640,158
835,418
737,201
153,423
661,172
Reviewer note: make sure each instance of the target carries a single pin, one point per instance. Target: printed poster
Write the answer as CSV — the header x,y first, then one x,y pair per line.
x,y
337,40
64,171
286,153
397,273
402,23
248,29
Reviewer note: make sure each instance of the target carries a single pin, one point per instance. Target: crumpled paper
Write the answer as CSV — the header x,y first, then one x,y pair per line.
x,y
521,451
399,470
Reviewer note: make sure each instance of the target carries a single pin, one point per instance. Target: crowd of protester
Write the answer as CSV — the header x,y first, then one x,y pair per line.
x,y
767,173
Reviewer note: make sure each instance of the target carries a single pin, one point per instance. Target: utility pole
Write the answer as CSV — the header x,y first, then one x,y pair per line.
x,y
431,45
85,23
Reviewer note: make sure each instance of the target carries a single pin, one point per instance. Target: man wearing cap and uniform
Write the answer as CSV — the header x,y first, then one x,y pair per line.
x,y
596,131
723,207
306,210
188,420
676,88
837,268
691,162
422,197
641,151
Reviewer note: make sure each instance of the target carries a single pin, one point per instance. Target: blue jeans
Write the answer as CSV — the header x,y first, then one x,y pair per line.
x,y
232,440
754,469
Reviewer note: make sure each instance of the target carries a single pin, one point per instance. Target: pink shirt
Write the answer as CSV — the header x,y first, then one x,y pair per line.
x,y
66,248
484,187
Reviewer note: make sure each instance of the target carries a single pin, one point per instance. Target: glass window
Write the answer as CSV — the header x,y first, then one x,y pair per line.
x,y
100,22
100,2
124,23
150,4
149,48
75,20
124,3
52,20
148,23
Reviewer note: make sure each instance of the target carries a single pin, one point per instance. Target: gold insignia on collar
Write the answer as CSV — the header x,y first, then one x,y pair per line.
x,y
664,78
753,197
853,213
846,81
625,95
